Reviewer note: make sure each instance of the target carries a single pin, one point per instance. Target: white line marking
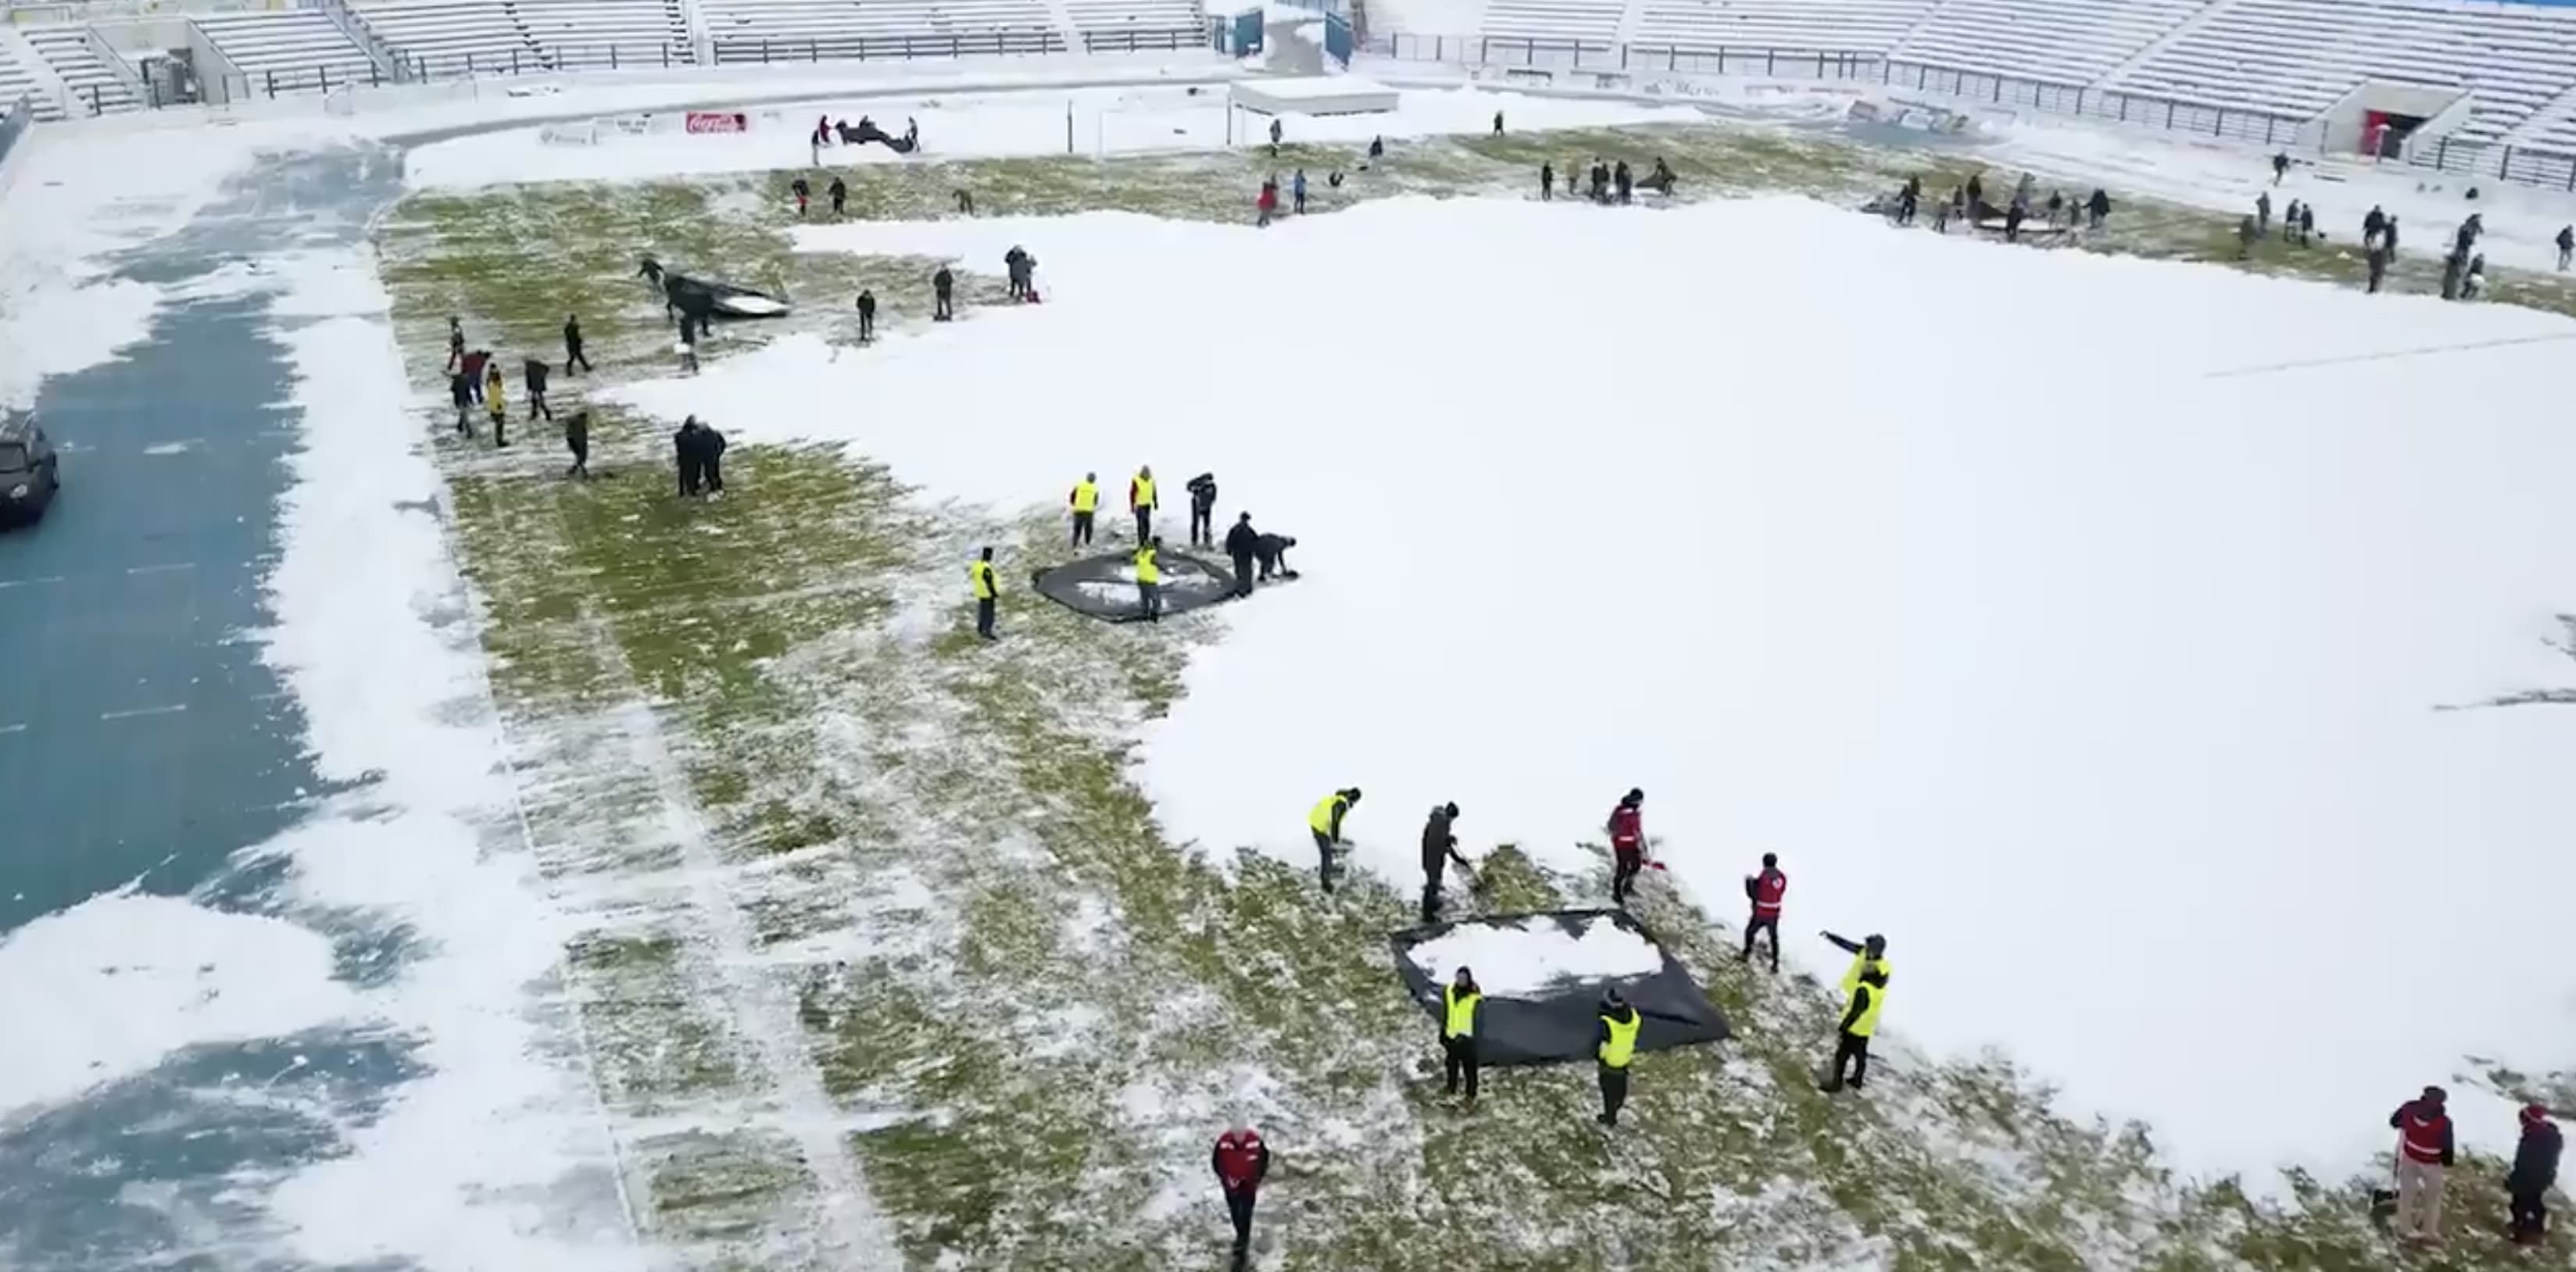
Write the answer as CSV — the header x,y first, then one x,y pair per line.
x,y
161,569
172,709
10,583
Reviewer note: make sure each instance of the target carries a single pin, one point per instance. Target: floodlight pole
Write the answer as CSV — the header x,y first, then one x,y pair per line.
x,y
1068,125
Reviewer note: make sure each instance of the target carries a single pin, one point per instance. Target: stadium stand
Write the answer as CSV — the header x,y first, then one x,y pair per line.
x,y
16,81
95,90
1105,24
2551,128
1589,22
288,50
801,30
2295,57
447,37
1829,26
591,33
2063,41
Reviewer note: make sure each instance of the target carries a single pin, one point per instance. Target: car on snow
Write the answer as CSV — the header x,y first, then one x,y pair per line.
x,y
30,471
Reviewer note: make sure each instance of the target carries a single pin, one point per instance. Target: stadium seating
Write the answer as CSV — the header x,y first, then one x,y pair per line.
x,y
449,36
1108,24
588,33
2295,57
287,50
18,81
1829,26
2552,128
95,90
797,30
2062,41
1554,22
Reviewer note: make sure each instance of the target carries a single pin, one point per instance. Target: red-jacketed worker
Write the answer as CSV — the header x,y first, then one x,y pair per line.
x,y
1766,891
1627,844
1241,1159
2423,1163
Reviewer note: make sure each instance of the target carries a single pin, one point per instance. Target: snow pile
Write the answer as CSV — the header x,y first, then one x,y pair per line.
x,y
2101,684
1536,957
971,125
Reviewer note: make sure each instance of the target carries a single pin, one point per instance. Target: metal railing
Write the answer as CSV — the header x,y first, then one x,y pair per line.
x,y
2522,165
737,50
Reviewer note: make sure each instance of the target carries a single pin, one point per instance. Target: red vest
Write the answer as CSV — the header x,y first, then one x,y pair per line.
x,y
1626,827
1767,892
1238,1159
2423,1136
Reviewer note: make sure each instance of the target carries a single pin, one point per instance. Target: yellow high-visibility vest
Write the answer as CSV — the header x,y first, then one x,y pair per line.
x,y
1868,1022
1462,1011
1145,493
981,573
1086,497
1322,818
1146,570
1622,1046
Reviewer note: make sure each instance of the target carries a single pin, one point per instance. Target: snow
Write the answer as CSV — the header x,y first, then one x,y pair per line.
x,y
965,125
1313,87
1536,957
2225,177
2106,689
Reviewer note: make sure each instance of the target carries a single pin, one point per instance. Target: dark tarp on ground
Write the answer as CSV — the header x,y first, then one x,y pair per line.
x,y
1560,1028
1104,586
704,296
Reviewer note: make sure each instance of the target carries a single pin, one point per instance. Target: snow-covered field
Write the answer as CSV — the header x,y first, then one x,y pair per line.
x,y
2079,623
2100,677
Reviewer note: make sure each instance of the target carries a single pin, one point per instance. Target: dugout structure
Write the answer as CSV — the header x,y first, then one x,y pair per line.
x,y
1104,586
1553,1021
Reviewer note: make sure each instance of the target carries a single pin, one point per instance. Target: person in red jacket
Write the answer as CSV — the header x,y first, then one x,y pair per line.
x,y
1765,890
1241,1159
2423,1163
1627,845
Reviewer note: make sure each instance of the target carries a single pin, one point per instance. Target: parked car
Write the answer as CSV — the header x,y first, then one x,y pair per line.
x,y
30,472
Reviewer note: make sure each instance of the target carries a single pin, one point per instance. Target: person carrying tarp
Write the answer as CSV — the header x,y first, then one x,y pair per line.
x,y
979,577
1240,1161
1765,891
1085,502
1462,1006
1627,830
1149,580
1242,543
1864,993
1326,822
1202,490
1614,1044
1142,501
2423,1127
2535,1168
1439,848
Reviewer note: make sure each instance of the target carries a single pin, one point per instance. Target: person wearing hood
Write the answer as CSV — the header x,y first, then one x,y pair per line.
x,y
2423,1127
1439,848
689,457
1242,543
1627,830
1202,490
1240,1160
1326,822
1614,1046
2098,207
2535,1168
1462,1012
1864,993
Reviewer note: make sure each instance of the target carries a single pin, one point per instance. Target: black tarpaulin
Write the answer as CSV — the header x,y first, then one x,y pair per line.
x,y
703,297
1104,586
1556,1021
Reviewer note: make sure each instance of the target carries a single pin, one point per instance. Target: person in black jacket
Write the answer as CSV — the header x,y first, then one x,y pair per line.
x,y
711,458
2098,207
1439,848
1242,543
1272,549
1202,490
941,285
535,370
840,192
572,345
802,192
577,440
689,454
2535,1168
867,315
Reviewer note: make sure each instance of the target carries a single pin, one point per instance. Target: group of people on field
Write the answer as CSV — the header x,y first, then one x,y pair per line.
x,y
1257,556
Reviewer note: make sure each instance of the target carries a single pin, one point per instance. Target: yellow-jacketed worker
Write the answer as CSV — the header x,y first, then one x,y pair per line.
x,y
1141,501
1461,1005
1864,992
1149,580
1326,822
979,576
1614,1044
1085,502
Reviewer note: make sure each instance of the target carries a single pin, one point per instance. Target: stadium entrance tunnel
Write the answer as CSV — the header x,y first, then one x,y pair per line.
x,y
1543,976
1104,586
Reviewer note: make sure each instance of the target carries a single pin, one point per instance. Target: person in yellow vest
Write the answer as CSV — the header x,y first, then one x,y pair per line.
x,y
1085,501
1462,1007
1149,580
1326,822
1141,501
1864,993
980,577
1614,1044
492,403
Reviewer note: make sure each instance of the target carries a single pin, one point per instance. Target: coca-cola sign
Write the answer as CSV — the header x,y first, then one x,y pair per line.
x,y
718,121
